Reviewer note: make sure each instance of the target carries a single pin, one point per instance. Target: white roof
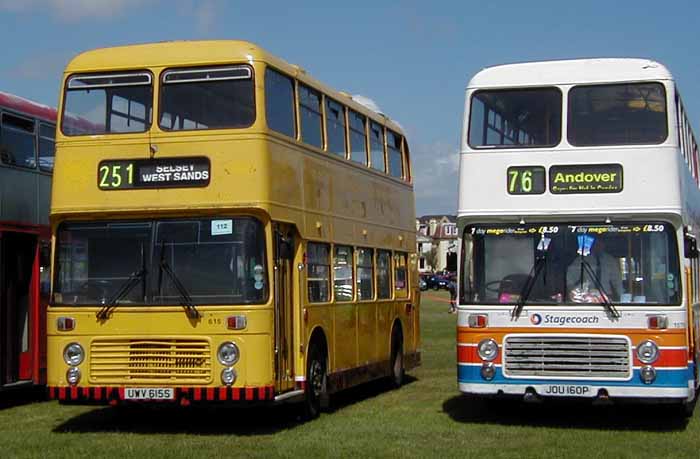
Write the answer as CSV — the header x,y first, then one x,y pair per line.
x,y
574,71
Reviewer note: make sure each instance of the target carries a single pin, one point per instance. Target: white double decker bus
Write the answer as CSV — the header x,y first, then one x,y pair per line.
x,y
578,209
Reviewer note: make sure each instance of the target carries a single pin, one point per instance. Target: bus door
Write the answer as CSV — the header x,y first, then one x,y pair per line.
x,y
18,282
284,290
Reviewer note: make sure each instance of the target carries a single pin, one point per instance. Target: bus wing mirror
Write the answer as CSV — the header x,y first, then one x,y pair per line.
x,y
690,246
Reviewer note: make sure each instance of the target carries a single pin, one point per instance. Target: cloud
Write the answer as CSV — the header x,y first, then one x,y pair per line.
x,y
73,10
435,178
44,66
205,14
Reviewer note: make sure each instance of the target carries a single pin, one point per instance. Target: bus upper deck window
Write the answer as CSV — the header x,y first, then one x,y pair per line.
x,y
107,103
617,114
515,118
207,98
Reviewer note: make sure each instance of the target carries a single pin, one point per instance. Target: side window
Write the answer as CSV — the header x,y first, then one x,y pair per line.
x,y
407,173
393,149
47,135
376,146
358,137
44,270
335,126
17,146
279,102
310,114
342,273
400,275
383,274
318,272
365,274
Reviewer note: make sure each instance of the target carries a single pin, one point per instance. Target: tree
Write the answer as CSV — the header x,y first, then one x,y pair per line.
x,y
432,258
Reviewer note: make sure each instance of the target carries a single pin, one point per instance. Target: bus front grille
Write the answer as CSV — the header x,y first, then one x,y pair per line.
x,y
152,360
552,356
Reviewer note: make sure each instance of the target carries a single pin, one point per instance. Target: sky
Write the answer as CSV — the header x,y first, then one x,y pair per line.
x,y
413,58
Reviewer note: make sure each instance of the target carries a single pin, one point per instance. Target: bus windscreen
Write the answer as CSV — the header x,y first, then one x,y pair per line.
x,y
216,260
571,264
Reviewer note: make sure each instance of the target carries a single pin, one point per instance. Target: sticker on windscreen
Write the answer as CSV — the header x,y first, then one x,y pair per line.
x,y
219,227
258,277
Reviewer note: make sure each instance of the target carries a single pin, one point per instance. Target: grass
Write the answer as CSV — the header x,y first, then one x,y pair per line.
x,y
425,418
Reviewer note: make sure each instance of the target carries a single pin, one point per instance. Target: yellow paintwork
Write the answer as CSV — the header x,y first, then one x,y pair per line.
x,y
256,172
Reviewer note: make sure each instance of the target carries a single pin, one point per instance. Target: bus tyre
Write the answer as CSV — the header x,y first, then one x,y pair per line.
x,y
315,383
397,368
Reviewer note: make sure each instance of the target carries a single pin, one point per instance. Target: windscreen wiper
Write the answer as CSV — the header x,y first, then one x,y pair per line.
x,y
535,271
607,304
131,282
537,268
185,298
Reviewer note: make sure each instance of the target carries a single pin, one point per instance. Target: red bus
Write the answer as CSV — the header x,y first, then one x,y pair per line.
x,y
27,133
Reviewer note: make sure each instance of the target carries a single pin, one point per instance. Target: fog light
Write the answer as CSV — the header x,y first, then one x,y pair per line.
x,y
647,351
648,374
487,349
488,371
228,354
73,354
73,376
228,376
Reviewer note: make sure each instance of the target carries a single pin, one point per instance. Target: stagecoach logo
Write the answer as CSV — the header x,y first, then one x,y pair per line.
x,y
535,319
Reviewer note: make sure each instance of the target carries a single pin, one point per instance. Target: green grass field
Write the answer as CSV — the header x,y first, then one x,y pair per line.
x,y
425,418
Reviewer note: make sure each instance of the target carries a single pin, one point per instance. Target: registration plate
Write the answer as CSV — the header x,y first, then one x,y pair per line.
x,y
567,390
148,393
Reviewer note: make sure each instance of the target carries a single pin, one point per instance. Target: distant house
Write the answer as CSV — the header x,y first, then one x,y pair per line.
x,y
438,231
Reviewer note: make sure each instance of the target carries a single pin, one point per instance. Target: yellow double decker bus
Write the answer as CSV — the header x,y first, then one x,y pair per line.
x,y
226,228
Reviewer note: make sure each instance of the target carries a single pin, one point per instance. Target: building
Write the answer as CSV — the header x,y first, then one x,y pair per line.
x,y
437,232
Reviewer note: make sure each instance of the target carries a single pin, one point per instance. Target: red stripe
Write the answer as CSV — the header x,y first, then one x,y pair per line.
x,y
249,393
667,358
98,393
467,354
197,393
121,393
210,393
262,391
74,393
86,392
222,393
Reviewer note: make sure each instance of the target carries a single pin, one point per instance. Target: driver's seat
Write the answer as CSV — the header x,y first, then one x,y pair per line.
x,y
511,286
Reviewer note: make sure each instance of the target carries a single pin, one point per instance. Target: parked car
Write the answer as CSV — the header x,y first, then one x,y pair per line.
x,y
434,281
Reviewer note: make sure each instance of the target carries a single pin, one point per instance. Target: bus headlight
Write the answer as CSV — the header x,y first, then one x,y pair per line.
x,y
228,376
647,374
228,354
647,351
73,376
73,354
487,349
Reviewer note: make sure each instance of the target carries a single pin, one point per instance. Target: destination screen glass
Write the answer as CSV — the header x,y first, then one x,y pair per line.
x,y
634,263
218,260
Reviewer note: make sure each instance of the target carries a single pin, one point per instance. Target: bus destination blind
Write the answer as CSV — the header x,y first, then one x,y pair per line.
x,y
153,173
585,178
